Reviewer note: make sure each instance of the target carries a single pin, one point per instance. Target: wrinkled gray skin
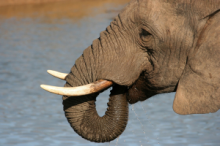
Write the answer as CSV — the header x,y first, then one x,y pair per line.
x,y
151,47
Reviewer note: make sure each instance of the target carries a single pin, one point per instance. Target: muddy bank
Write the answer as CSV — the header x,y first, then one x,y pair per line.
x,y
53,9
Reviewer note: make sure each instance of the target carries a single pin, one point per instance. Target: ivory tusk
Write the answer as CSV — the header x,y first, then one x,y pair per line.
x,y
57,74
80,90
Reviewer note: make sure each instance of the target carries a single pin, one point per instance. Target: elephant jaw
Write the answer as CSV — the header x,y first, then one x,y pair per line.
x,y
95,87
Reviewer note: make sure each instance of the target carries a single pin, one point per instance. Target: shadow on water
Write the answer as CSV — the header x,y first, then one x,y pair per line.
x,y
34,38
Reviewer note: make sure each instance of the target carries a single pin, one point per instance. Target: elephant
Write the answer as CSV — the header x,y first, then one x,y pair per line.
x,y
151,47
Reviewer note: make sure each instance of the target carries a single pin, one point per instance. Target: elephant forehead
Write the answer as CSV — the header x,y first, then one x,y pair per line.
x,y
160,16
155,6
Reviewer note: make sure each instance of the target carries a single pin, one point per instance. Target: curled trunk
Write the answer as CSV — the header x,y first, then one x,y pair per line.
x,y
83,118
108,58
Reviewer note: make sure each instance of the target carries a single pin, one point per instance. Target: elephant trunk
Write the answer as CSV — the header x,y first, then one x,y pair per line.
x,y
93,65
108,58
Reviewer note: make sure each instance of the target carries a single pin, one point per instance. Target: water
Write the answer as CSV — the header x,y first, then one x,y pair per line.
x,y
30,116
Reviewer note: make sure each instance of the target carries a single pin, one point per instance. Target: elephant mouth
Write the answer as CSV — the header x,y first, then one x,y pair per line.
x,y
95,87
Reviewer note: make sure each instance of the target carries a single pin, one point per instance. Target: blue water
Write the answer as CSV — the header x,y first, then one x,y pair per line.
x,y
30,116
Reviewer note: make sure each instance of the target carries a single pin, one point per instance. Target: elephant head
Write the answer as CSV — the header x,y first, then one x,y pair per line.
x,y
151,47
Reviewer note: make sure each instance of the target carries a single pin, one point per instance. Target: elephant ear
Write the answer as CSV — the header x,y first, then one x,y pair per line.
x,y
198,90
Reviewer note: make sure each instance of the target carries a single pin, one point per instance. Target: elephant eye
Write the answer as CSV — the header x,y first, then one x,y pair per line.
x,y
144,34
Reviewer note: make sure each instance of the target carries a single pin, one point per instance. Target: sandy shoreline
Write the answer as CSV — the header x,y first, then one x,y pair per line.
x,y
53,9
22,2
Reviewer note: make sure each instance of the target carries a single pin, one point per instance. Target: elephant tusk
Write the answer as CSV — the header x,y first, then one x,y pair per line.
x,y
80,90
57,74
